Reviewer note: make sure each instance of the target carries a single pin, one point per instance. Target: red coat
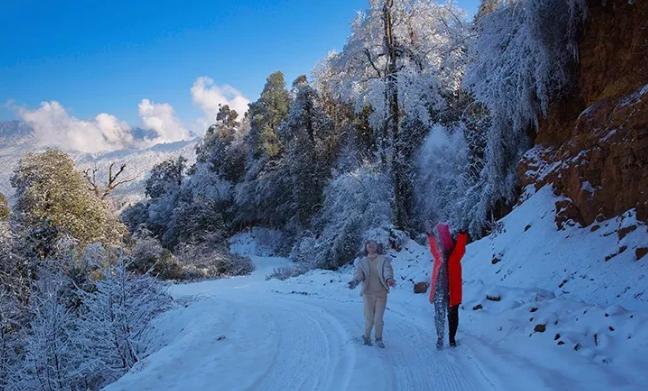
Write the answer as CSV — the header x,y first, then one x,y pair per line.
x,y
454,267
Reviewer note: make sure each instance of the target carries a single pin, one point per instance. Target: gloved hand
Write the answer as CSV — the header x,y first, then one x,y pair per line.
x,y
352,284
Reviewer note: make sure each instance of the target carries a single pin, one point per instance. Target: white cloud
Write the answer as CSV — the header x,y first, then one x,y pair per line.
x,y
209,97
53,126
161,118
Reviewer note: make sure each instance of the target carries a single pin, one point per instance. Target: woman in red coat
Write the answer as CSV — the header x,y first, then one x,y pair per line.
x,y
445,284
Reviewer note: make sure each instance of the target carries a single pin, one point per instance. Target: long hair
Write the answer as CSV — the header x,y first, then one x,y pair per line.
x,y
379,247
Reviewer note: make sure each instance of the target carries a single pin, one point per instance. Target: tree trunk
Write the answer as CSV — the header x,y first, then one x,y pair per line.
x,y
390,143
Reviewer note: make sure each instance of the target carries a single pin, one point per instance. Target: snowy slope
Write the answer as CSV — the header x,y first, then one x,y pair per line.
x,y
249,333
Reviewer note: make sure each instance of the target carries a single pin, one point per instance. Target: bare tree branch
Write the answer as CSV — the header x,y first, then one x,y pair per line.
x,y
102,192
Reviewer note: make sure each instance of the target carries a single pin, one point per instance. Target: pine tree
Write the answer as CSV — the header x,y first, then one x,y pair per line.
x,y
306,133
266,115
219,149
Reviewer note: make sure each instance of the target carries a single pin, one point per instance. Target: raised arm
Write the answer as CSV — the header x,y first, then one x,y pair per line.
x,y
434,248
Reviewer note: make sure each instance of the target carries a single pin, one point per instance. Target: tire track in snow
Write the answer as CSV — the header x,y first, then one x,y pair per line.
x,y
277,341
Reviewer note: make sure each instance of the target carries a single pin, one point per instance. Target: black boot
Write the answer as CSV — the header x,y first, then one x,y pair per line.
x,y
453,321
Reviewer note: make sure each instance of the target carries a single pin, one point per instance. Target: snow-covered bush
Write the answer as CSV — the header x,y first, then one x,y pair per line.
x,y
113,321
148,256
53,350
520,61
286,272
355,202
211,258
11,337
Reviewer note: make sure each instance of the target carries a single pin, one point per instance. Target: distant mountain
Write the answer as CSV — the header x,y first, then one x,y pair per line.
x,y
17,139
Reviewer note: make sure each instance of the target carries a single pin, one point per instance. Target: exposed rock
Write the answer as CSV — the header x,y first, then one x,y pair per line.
x,y
494,297
626,230
478,307
421,287
641,252
593,145
540,328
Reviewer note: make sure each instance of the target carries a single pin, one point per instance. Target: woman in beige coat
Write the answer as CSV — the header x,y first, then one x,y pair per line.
x,y
376,274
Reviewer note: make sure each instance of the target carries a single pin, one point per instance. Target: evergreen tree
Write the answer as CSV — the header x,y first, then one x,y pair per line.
x,y
166,177
53,196
266,115
4,208
306,133
219,148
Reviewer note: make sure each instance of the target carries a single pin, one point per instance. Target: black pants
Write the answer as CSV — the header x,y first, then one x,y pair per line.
x,y
453,321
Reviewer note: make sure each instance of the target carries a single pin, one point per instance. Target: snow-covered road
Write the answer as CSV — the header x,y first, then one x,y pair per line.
x,y
248,333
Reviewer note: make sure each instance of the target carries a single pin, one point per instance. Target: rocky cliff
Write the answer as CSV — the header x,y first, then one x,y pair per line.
x,y
593,145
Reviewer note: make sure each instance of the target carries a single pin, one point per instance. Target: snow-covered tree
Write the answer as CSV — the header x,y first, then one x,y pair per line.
x,y
51,194
403,60
307,134
266,114
166,177
355,203
520,61
222,147
4,208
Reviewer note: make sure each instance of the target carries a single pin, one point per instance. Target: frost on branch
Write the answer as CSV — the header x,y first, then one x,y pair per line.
x,y
519,62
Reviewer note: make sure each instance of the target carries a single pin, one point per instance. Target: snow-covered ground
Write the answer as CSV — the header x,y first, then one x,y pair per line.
x,y
564,320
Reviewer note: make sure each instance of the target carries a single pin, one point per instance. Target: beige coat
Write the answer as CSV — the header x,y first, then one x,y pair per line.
x,y
384,266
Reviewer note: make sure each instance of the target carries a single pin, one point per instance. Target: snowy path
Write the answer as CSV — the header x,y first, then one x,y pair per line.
x,y
251,334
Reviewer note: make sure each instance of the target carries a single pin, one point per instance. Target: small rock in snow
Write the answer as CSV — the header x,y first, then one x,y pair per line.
x,y
640,252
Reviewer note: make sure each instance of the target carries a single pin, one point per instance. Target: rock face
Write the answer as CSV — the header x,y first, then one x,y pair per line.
x,y
593,145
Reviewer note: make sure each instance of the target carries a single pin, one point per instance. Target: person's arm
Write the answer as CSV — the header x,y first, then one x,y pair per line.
x,y
389,273
358,275
434,249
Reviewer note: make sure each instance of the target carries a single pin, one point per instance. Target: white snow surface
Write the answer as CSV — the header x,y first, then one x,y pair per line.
x,y
249,333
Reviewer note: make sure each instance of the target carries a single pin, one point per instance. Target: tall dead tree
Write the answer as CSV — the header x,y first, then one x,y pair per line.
x,y
102,191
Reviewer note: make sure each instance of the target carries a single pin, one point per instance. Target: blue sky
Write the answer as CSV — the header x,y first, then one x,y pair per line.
x,y
106,56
